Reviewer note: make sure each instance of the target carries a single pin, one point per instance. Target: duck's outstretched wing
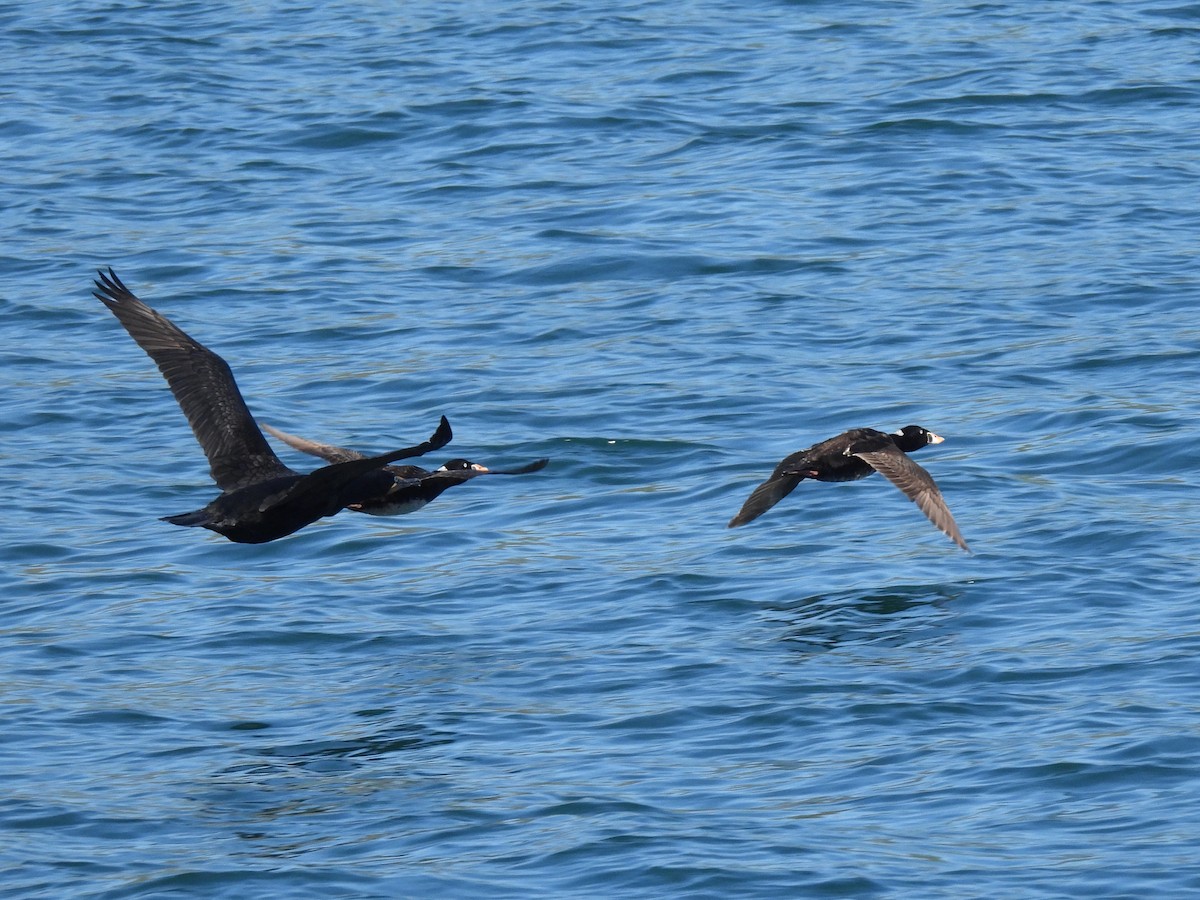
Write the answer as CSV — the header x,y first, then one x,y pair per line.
x,y
536,466
238,454
327,452
446,478
918,485
766,495
333,454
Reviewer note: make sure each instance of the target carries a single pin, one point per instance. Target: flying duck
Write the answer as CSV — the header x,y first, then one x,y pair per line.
x,y
856,454
412,487
261,499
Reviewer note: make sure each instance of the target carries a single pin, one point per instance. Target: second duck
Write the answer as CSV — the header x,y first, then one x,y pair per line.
x,y
412,487
852,455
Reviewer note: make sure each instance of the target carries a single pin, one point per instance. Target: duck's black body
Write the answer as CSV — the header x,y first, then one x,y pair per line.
x,y
411,487
279,506
853,455
262,499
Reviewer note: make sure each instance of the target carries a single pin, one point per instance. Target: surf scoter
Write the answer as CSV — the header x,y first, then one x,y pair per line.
x,y
262,499
412,487
853,455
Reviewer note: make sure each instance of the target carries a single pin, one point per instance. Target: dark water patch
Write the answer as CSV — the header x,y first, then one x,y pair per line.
x,y
323,137
929,126
217,882
374,747
894,616
639,268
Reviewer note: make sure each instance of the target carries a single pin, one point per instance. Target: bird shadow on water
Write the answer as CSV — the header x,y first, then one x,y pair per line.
x,y
307,793
893,616
330,755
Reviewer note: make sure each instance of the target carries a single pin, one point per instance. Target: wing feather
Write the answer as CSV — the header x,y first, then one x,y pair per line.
x,y
238,454
334,454
916,484
327,452
536,466
766,495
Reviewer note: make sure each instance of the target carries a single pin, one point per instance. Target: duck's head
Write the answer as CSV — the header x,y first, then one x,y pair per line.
x,y
461,465
914,437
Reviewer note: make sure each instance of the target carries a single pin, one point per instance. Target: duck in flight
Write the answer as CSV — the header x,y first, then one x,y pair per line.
x,y
412,487
261,499
853,455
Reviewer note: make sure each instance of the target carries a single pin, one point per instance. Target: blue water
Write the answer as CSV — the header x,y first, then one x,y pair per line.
x,y
663,244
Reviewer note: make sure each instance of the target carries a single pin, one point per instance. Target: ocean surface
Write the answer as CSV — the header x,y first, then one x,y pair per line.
x,y
663,244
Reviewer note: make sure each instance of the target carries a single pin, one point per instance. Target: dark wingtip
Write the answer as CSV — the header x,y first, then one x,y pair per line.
x,y
109,287
536,466
443,435
193,519
746,514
